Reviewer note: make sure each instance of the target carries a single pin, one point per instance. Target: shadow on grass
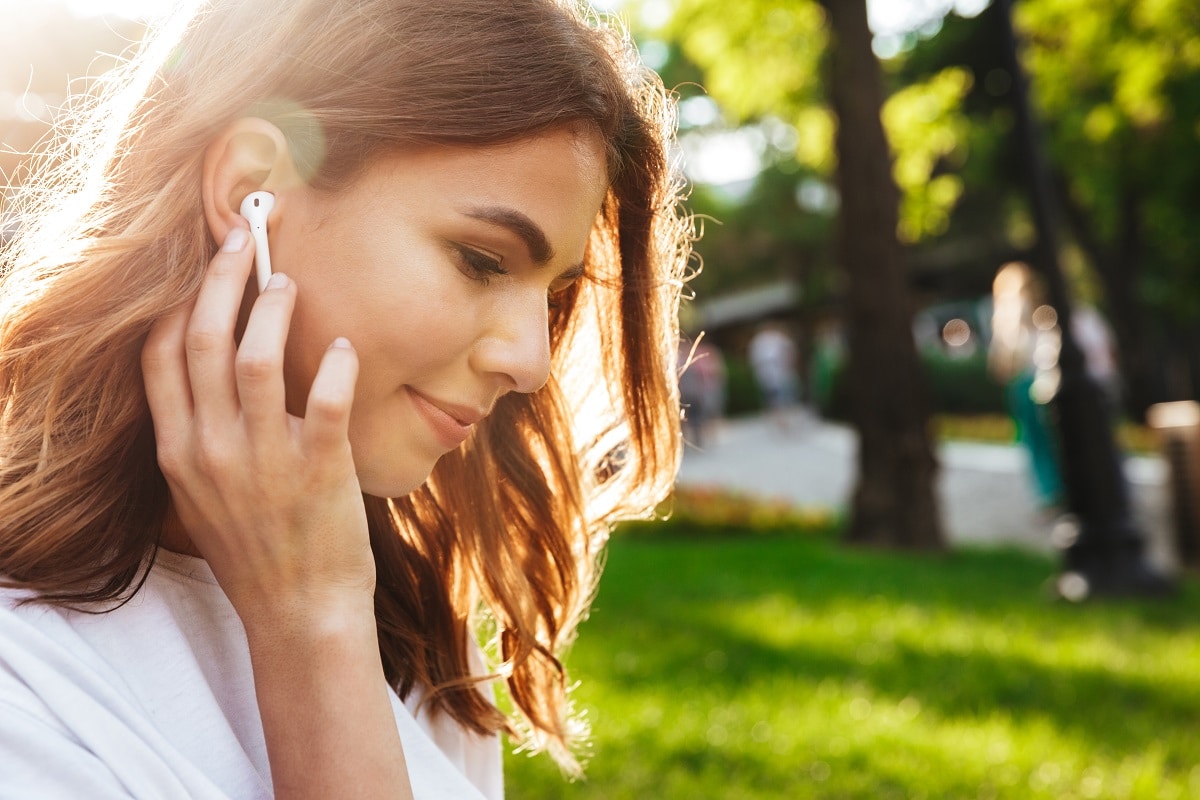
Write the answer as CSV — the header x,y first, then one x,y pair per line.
x,y
677,602
1113,714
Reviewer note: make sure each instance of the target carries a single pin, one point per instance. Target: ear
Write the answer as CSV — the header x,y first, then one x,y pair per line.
x,y
251,154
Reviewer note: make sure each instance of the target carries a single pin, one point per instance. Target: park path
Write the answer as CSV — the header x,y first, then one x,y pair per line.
x,y
984,490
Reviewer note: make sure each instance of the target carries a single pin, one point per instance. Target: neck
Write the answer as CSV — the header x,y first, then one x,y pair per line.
x,y
175,537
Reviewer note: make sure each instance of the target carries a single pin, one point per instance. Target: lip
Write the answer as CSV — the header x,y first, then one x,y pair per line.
x,y
451,423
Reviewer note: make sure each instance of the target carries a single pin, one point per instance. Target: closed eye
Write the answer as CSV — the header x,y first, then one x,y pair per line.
x,y
476,264
562,283
567,278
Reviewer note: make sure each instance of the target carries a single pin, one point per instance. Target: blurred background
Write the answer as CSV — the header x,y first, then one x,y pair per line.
x,y
936,530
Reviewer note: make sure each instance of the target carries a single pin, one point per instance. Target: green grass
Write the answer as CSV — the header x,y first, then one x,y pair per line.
x,y
786,666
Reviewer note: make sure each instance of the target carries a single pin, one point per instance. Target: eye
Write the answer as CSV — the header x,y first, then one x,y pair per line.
x,y
559,287
477,265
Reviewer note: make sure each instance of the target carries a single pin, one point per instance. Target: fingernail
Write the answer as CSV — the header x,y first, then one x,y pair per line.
x,y
235,241
277,281
341,342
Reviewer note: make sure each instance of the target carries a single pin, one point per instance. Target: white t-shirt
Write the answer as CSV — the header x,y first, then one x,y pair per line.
x,y
156,700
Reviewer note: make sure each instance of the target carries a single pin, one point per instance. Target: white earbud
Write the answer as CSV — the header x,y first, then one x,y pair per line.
x,y
255,209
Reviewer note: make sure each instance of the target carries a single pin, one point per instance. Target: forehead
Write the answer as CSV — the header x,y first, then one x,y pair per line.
x,y
557,179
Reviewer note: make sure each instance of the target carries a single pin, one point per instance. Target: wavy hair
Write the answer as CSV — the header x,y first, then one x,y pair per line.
x,y
505,538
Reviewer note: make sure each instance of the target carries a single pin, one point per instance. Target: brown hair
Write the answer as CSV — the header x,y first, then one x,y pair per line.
x,y
512,524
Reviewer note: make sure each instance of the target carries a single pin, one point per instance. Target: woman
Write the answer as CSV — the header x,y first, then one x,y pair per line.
x,y
252,543
1022,347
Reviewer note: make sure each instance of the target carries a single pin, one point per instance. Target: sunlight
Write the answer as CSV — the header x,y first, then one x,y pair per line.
x,y
130,9
722,158
145,10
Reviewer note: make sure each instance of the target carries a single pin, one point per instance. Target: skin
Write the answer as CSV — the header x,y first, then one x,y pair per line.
x,y
387,292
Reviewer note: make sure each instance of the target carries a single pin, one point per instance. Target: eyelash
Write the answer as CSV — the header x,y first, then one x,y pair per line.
x,y
478,266
482,267
554,296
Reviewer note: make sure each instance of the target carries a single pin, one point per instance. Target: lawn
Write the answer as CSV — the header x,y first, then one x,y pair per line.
x,y
722,663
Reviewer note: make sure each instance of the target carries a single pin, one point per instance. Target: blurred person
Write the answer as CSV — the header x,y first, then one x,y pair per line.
x,y
702,390
1017,345
284,544
1099,347
772,355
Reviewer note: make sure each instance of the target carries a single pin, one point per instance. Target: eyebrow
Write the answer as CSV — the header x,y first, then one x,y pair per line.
x,y
515,222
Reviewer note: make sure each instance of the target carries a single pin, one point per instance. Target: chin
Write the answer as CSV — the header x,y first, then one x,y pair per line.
x,y
393,483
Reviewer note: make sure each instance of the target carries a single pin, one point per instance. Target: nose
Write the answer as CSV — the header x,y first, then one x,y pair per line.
x,y
515,347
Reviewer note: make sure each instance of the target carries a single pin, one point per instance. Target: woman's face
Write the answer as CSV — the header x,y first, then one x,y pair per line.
x,y
436,264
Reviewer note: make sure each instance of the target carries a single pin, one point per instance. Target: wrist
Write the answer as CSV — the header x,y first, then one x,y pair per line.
x,y
320,618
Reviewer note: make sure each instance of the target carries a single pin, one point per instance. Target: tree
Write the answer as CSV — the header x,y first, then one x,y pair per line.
x,y
765,58
1117,86
1107,556
893,499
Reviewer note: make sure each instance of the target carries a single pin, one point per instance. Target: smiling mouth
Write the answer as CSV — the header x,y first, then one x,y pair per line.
x,y
451,424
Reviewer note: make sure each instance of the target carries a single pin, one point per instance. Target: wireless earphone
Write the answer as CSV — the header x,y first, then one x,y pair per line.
x,y
255,209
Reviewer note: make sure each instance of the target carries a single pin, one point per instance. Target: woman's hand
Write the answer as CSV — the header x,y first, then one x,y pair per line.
x,y
270,500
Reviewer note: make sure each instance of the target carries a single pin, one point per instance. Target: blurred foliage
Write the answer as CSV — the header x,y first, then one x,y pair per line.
x,y
714,510
988,428
743,394
765,59
1117,89
759,57
1119,85
925,127
956,384
763,235
999,429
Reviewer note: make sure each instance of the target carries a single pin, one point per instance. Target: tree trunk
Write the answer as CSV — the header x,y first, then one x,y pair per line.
x,y
1119,267
1107,555
894,503
805,321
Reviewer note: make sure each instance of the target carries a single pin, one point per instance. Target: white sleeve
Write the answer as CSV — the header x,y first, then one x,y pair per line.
x,y
68,729
39,758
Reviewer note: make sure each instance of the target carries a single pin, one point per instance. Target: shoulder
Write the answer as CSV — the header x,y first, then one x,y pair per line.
x,y
79,705
40,752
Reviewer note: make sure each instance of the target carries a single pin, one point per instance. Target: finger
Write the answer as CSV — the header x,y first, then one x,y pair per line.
x,y
259,363
327,415
209,339
164,372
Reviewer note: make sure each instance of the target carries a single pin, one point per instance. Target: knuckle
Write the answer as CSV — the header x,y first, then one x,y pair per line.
x,y
328,407
158,351
212,455
226,266
203,340
155,358
256,366
170,463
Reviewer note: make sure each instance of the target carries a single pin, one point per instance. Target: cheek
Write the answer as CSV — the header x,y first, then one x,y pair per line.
x,y
405,329
411,316
406,310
